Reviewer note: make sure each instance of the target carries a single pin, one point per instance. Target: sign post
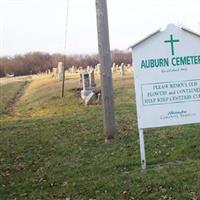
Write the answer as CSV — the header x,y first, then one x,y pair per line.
x,y
142,149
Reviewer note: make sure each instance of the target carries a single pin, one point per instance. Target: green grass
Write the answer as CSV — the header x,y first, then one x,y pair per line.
x,y
54,148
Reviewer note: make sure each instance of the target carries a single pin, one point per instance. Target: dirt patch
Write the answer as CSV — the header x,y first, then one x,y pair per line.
x,y
11,104
76,91
77,94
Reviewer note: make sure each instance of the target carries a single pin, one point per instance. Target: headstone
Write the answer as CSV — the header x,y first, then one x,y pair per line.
x,y
92,79
55,72
80,70
85,93
73,69
87,80
129,68
98,68
113,68
88,83
99,98
90,98
117,67
88,68
60,71
122,70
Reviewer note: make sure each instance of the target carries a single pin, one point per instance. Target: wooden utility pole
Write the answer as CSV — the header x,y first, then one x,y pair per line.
x,y
106,75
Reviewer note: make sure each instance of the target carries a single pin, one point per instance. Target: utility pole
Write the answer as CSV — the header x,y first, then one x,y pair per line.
x,y
106,75
65,46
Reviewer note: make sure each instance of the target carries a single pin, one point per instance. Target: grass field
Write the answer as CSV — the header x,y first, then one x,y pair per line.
x,y
53,148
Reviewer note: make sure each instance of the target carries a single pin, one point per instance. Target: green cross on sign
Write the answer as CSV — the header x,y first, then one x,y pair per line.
x,y
172,43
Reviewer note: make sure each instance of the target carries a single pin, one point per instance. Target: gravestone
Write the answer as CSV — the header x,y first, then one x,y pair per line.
x,y
88,69
122,70
99,98
88,83
73,69
85,79
113,68
97,68
90,98
80,70
117,67
92,79
60,71
129,68
55,72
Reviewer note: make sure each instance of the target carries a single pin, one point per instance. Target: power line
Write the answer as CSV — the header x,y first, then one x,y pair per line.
x,y
66,26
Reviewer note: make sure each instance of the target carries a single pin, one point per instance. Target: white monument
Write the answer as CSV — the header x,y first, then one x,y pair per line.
x,y
88,83
97,68
55,73
73,69
60,71
113,68
122,69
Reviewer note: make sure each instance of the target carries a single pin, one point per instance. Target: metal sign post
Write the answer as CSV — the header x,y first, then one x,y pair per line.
x,y
142,148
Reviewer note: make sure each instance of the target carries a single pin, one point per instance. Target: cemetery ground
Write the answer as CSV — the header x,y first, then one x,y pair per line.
x,y
53,148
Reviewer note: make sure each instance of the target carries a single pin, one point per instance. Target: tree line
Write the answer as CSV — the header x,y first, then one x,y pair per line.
x,y
38,62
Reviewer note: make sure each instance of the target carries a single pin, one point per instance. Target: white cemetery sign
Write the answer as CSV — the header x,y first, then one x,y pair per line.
x,y
167,79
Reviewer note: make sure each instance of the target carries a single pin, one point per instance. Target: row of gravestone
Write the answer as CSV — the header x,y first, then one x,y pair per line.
x,y
58,72
87,78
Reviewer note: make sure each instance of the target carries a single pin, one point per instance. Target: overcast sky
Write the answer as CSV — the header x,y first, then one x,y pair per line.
x,y
39,25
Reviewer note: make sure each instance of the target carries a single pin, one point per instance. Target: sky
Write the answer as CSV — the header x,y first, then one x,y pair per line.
x,y
39,25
